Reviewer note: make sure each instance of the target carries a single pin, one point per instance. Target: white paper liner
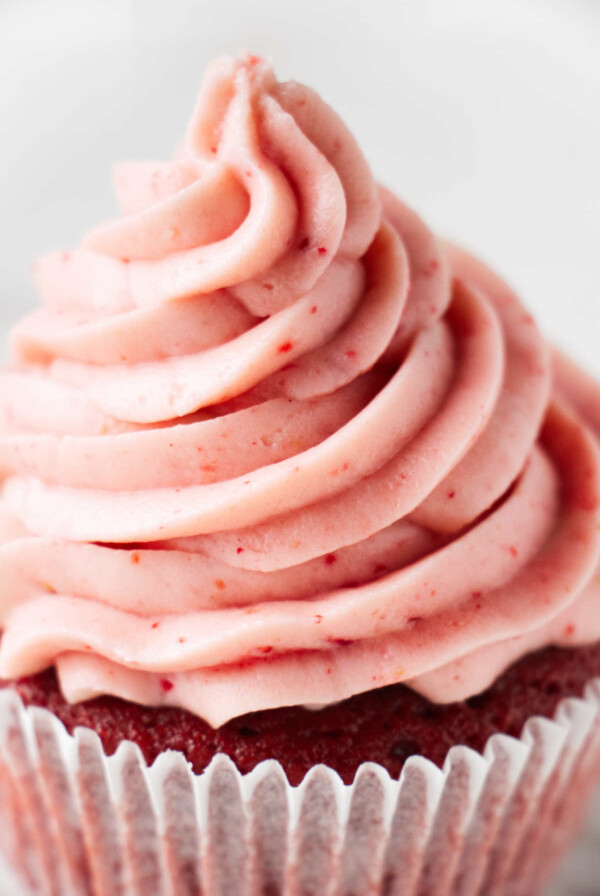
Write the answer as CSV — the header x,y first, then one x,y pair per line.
x,y
76,823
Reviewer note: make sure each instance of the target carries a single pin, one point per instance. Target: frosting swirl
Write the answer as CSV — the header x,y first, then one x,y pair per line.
x,y
268,441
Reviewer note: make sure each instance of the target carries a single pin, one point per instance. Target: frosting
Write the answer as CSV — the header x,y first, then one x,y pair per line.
x,y
268,441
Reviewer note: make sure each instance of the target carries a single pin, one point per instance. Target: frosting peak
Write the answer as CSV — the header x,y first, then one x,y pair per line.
x,y
268,441
267,189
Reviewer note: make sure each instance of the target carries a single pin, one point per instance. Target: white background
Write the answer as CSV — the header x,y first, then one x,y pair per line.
x,y
484,115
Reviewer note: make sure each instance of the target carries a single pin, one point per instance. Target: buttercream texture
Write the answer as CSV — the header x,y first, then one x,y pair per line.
x,y
268,441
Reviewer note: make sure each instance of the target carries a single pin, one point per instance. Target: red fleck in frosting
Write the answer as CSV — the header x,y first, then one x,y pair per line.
x,y
268,442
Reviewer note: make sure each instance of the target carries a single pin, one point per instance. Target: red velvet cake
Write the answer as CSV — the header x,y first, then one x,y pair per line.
x,y
386,726
286,477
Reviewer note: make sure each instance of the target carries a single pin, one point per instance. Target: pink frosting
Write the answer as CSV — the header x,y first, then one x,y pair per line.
x,y
269,442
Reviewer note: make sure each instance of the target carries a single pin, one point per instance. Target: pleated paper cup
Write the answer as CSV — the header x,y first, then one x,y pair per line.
x,y
76,822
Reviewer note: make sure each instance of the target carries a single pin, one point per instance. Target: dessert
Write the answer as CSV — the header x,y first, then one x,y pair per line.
x,y
269,447
387,725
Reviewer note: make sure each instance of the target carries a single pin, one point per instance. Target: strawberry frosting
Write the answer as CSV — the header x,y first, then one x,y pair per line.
x,y
268,441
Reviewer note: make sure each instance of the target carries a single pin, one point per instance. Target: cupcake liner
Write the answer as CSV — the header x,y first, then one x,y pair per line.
x,y
77,823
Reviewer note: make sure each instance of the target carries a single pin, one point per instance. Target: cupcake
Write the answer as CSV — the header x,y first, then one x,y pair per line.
x,y
300,539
